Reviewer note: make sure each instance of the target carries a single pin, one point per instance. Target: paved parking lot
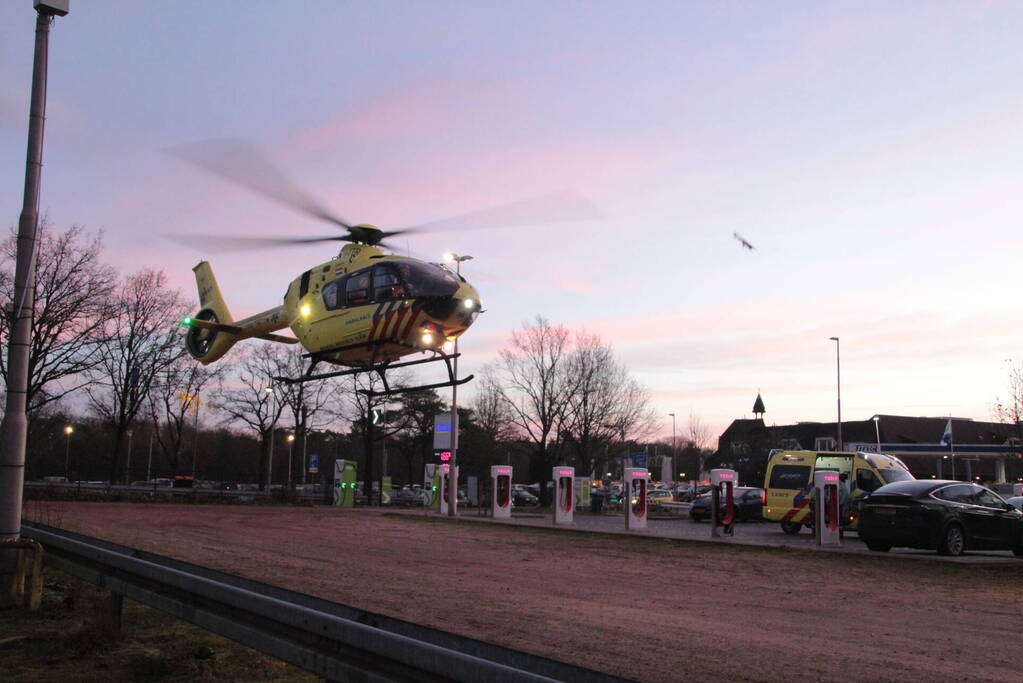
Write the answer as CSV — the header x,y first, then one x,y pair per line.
x,y
746,533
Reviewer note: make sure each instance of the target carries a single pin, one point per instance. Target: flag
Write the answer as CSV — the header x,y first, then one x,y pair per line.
x,y
946,438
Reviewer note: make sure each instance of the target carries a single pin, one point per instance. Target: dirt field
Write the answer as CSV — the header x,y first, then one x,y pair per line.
x,y
643,608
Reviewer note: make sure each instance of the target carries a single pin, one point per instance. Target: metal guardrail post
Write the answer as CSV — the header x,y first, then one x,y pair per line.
x,y
27,599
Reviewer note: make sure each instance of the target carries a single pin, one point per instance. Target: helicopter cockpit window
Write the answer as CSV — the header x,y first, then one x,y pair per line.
x,y
332,295
386,284
427,279
357,289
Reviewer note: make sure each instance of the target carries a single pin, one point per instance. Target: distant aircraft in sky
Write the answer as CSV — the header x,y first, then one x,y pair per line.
x,y
742,241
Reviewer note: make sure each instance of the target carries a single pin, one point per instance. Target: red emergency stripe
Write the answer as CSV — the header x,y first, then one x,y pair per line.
x,y
398,320
413,314
795,511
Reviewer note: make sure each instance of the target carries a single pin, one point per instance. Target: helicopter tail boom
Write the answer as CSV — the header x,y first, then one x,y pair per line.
x,y
210,332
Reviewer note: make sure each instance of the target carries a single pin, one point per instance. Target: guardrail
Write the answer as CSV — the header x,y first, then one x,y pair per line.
x,y
326,638
85,488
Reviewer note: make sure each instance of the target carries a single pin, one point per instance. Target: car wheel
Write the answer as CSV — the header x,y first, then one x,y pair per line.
x,y
1017,547
878,546
953,541
791,528
696,519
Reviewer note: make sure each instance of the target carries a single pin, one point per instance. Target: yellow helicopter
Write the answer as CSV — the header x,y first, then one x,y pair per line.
x,y
364,309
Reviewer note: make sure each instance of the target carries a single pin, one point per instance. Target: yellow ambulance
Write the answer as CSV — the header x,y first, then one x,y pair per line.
x,y
788,482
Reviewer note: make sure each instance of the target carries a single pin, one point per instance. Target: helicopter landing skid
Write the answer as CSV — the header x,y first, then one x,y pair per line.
x,y
381,369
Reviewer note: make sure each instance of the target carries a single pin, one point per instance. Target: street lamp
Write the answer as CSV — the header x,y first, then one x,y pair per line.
x,y
291,443
673,461
69,430
877,432
838,366
452,257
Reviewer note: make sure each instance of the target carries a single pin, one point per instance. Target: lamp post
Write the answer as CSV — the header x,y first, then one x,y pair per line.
x,y
453,471
127,469
674,463
291,444
15,424
270,456
69,430
838,369
149,462
877,432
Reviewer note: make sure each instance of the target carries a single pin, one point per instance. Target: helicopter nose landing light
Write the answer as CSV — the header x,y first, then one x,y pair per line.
x,y
305,310
469,303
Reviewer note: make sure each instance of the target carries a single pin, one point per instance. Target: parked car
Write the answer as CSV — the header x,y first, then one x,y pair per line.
x,y
407,497
1016,502
748,502
947,516
523,498
658,496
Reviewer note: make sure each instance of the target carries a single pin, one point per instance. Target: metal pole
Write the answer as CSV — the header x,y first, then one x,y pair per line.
x,y
67,454
453,472
270,461
838,367
195,446
127,469
674,463
305,440
15,423
149,462
877,432
291,445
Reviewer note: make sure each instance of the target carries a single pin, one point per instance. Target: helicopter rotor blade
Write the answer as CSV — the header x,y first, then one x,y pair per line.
x,y
243,165
205,242
557,207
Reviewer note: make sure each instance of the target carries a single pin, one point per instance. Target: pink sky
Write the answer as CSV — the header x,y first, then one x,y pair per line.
x,y
869,151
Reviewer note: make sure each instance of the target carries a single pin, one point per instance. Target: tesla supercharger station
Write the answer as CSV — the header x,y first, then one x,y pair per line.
x,y
827,524
501,491
444,487
635,497
345,474
722,497
564,494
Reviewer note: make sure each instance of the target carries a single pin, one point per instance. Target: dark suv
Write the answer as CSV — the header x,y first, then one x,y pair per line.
x,y
947,516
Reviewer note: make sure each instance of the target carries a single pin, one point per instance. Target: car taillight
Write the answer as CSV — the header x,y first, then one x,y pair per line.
x,y
763,496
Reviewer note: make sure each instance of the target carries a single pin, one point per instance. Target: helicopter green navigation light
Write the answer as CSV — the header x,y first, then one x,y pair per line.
x,y
186,321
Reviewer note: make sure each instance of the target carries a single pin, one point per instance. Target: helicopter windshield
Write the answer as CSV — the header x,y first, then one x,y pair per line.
x,y
426,279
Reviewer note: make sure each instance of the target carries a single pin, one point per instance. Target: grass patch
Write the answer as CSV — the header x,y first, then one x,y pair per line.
x,y
66,640
905,566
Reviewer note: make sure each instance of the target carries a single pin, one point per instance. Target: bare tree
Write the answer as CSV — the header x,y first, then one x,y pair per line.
x,y
697,440
141,338
253,400
594,415
305,401
176,399
414,422
72,294
356,401
492,414
536,387
1009,411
